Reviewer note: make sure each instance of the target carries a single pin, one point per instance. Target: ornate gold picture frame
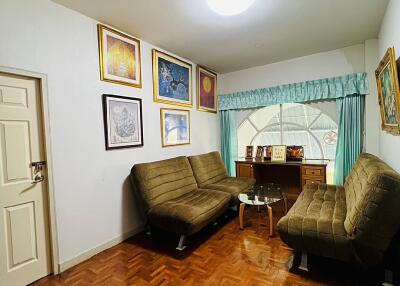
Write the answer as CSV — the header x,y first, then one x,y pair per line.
x,y
207,92
119,56
175,127
389,93
172,80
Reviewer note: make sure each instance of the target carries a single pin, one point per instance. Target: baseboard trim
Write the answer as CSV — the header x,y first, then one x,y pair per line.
x,y
99,248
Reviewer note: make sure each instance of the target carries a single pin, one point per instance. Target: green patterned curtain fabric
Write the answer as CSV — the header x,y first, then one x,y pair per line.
x,y
315,90
350,111
228,139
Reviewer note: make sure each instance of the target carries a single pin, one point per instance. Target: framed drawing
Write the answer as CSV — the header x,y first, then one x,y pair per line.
x,y
278,153
123,126
388,92
119,57
172,80
206,90
175,127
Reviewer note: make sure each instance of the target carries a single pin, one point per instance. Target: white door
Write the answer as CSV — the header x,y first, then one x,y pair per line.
x,y
24,232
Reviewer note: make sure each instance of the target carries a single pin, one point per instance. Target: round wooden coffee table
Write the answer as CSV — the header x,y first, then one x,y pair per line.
x,y
262,195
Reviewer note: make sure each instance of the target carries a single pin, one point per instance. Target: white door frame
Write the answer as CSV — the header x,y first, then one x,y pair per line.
x,y
42,79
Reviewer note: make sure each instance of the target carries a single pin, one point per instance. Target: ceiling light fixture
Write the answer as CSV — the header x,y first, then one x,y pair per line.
x,y
229,7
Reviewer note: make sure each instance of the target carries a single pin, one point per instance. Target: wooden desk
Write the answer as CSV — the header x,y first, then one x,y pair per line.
x,y
290,175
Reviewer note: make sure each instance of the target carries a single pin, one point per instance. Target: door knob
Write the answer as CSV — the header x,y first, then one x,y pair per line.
x,y
38,179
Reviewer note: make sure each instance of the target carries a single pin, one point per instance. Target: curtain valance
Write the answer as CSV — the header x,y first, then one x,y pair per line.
x,y
315,90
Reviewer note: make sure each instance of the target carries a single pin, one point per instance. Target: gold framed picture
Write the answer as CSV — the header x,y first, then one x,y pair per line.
x,y
388,92
206,90
119,57
278,153
175,127
172,80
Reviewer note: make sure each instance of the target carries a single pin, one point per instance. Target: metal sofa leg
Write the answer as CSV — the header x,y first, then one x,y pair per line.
x,y
181,243
388,278
148,230
303,263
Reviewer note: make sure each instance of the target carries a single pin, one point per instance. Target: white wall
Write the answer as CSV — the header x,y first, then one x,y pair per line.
x,y
94,202
389,36
322,65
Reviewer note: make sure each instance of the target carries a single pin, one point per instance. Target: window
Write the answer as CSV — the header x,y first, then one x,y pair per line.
x,y
291,124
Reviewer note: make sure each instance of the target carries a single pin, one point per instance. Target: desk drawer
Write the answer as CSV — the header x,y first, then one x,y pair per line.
x,y
313,180
313,171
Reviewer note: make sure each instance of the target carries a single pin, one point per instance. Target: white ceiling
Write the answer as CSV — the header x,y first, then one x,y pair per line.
x,y
269,31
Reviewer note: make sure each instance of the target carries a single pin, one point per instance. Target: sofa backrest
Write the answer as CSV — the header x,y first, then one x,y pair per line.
x,y
208,168
160,181
373,205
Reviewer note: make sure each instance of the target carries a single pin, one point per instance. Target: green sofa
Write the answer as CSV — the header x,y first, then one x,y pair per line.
x,y
210,173
172,200
354,223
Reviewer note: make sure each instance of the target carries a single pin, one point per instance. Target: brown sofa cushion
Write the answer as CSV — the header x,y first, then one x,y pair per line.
x,y
233,186
315,222
373,203
161,181
208,168
189,213
210,173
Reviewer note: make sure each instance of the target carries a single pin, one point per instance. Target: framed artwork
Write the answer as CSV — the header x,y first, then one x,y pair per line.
x,y
295,153
175,127
278,153
119,57
388,92
268,152
123,126
249,152
206,90
172,80
259,152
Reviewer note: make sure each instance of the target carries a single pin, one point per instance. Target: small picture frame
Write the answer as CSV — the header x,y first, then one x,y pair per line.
x,y
268,152
175,127
259,153
249,152
123,125
278,153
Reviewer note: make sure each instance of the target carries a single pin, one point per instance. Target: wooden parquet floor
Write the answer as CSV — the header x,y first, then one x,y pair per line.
x,y
219,255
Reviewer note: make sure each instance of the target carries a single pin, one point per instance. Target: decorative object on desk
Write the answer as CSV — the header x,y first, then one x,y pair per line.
x,y
259,153
294,153
123,124
249,152
268,152
175,127
206,90
119,57
278,153
388,92
172,80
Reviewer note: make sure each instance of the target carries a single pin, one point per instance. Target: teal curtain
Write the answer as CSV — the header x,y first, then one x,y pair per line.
x,y
315,90
350,111
228,139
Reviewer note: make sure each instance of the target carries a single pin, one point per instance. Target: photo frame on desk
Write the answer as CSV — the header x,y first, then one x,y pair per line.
x,y
249,152
259,152
278,153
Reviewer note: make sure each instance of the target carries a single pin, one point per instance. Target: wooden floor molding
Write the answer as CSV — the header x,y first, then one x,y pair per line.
x,y
91,252
218,255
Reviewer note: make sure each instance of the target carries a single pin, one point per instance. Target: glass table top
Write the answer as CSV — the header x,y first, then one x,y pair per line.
x,y
263,194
